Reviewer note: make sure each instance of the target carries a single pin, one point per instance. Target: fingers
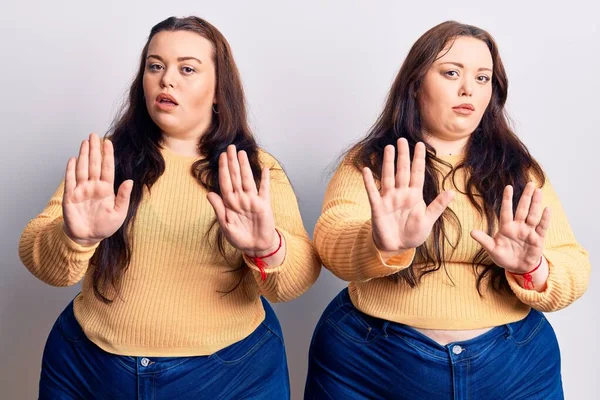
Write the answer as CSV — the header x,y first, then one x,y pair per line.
x,y
248,183
542,227
417,173
123,196
70,180
524,202
372,191
265,185
108,162
217,203
506,209
234,168
224,178
403,167
484,240
95,158
437,206
535,210
388,181
81,169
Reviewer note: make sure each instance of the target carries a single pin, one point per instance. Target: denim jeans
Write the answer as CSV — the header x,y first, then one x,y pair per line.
x,y
75,368
356,356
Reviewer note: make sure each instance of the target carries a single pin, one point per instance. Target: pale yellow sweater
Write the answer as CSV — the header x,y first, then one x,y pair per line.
x,y
171,302
344,240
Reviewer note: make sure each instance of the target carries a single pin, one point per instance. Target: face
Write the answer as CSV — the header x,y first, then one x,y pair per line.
x,y
456,90
179,83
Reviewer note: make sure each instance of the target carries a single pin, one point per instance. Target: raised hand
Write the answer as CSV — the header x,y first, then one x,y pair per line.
x,y
518,244
400,218
91,210
243,212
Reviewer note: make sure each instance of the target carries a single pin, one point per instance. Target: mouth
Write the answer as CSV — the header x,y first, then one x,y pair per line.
x,y
166,99
465,107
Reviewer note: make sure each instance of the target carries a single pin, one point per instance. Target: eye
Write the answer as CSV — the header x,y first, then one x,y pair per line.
x,y
452,73
188,70
154,67
483,78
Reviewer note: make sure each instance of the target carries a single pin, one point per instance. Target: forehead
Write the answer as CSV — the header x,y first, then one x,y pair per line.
x,y
468,51
180,44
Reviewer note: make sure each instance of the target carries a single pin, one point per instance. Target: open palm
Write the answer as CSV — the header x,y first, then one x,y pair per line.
x,y
400,218
91,210
517,245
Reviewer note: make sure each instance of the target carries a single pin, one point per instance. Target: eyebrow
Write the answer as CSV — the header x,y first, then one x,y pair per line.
x,y
179,59
462,66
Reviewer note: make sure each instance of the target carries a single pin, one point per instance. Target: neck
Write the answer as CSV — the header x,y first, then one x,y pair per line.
x,y
184,146
446,147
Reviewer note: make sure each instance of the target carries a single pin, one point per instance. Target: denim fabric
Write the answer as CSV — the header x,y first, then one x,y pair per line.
x,y
75,368
357,356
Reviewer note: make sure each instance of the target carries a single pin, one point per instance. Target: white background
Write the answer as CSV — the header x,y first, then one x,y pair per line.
x,y
316,74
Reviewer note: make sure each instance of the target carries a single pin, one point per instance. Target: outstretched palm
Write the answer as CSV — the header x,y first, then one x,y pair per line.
x,y
400,218
91,210
243,212
518,244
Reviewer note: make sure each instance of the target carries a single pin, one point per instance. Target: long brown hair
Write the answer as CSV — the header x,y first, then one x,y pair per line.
x,y
495,157
137,138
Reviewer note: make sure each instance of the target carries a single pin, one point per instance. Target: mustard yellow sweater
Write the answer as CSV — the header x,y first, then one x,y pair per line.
x,y
344,240
171,301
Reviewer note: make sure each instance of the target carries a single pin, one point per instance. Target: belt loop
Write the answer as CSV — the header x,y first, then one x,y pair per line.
x,y
384,328
509,330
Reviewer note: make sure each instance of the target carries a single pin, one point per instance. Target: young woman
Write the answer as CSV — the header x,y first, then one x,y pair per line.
x,y
452,258
176,234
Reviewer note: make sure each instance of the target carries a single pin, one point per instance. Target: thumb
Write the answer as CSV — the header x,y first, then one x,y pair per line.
x,y
123,196
437,206
484,240
217,204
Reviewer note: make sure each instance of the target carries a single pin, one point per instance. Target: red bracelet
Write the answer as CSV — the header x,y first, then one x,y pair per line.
x,y
527,275
259,260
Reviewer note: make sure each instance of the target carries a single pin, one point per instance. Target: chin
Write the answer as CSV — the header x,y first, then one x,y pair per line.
x,y
167,124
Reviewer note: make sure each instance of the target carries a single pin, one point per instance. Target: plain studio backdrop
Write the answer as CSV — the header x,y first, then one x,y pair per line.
x,y
316,74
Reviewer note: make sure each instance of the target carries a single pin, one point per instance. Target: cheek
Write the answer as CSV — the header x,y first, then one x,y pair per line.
x,y
202,93
485,101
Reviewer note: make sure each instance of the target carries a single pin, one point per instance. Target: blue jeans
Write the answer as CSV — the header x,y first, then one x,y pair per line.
x,y
356,356
75,368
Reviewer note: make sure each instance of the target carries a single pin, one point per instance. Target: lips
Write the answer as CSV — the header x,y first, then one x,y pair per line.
x,y
466,107
165,98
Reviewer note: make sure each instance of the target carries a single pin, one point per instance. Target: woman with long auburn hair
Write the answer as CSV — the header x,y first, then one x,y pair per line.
x,y
453,240
178,224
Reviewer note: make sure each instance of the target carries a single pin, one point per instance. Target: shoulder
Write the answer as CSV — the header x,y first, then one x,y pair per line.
x,y
266,159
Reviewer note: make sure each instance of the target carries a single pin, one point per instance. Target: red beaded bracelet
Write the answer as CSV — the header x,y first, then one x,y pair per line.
x,y
527,275
259,260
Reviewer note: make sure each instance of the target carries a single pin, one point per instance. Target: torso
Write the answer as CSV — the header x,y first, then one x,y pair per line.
x,y
443,337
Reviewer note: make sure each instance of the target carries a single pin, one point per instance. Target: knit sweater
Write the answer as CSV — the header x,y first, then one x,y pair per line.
x,y
447,298
172,299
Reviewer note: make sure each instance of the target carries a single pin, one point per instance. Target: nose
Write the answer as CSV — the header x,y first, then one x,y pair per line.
x,y
466,88
168,78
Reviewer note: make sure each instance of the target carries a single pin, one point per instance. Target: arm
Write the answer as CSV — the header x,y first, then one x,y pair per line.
x,y
296,266
565,263
344,236
48,252
58,244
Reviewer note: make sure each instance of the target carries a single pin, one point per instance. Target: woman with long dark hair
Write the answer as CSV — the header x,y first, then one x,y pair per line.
x,y
453,248
178,224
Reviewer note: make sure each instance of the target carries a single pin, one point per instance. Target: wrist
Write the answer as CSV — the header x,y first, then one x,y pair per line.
x,y
385,253
265,253
259,258
535,278
80,242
